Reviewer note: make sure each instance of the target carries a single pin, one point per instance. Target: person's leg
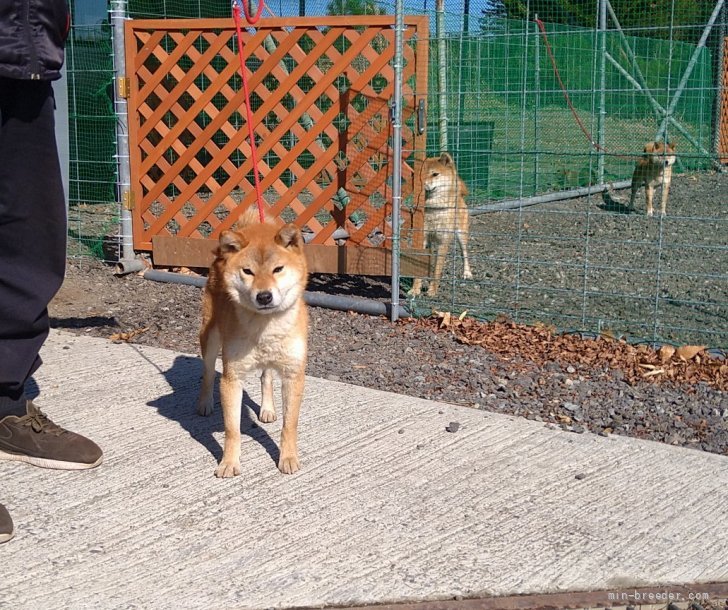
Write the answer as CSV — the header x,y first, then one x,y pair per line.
x,y
32,265
32,231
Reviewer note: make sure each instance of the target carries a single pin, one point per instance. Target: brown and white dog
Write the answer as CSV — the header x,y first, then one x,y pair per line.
x,y
654,168
253,309
446,216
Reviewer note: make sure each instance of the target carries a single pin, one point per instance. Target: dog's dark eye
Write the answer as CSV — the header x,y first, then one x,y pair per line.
x,y
247,271
435,174
277,269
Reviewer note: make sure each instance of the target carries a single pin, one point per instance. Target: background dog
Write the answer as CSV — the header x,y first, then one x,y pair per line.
x,y
654,168
446,216
253,308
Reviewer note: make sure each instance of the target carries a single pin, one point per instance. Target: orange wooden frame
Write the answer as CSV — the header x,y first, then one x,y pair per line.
x,y
723,114
320,94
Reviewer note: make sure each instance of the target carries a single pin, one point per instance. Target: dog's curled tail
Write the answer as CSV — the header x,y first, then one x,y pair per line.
x,y
250,216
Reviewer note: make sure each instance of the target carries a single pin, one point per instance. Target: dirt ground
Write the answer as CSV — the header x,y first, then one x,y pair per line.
x,y
592,264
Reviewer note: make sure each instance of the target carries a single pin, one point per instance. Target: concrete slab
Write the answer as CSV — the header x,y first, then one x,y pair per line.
x,y
389,505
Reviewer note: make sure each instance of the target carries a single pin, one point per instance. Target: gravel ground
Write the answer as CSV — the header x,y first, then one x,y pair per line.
x,y
415,358
591,263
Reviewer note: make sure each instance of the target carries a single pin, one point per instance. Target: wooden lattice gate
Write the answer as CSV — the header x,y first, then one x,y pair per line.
x,y
320,89
723,112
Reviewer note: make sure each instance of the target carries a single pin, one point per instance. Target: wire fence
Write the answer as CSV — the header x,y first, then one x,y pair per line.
x,y
537,102
541,107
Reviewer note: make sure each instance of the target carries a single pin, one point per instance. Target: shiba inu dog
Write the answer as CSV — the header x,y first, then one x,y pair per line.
x,y
654,168
446,216
253,309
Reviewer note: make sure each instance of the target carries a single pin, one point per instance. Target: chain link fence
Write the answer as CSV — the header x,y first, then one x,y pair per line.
x,y
545,107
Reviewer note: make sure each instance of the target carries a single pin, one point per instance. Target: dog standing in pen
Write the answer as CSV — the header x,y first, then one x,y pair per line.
x,y
446,216
653,168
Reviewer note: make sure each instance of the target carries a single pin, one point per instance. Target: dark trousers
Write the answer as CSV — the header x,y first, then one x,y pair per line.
x,y
32,227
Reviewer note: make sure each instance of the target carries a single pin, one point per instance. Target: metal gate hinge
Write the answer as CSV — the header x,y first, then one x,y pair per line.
x,y
123,86
127,200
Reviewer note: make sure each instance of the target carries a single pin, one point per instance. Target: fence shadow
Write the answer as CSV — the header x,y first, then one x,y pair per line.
x,y
180,406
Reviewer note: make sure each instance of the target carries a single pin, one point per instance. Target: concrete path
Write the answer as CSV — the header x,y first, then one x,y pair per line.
x,y
389,506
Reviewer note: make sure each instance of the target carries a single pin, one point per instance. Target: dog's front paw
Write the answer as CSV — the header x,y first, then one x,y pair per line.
x,y
288,464
416,287
467,274
267,416
228,469
205,406
650,213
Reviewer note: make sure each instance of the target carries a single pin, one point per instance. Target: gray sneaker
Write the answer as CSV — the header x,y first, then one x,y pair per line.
x,y
35,439
6,525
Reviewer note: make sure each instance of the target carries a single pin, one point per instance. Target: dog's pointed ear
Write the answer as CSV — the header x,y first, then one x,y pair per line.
x,y
650,147
672,146
446,159
230,242
289,236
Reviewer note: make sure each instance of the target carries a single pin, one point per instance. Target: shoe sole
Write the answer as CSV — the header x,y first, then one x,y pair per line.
x,y
48,463
6,537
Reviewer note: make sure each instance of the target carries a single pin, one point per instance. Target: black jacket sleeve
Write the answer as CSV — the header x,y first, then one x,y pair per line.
x,y
32,37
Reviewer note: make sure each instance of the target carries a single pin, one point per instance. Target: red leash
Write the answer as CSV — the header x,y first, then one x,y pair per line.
x,y
251,19
584,130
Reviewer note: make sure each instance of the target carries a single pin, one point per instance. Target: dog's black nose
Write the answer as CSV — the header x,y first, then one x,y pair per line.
x,y
264,298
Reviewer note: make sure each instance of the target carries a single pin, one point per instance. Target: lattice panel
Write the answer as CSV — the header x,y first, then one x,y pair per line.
x,y
723,118
320,92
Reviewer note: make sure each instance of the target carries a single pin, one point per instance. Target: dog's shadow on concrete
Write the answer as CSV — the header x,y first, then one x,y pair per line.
x,y
180,405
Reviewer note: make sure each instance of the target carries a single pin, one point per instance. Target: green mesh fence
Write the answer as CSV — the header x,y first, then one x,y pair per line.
x,y
505,105
93,215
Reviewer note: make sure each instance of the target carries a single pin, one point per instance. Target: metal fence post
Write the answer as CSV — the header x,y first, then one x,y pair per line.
x,y
117,14
397,152
602,4
442,72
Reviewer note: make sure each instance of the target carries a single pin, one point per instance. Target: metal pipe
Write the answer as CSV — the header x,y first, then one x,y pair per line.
x,y
397,153
174,278
117,15
689,69
513,204
123,267
367,306
536,101
441,72
659,111
602,117
314,299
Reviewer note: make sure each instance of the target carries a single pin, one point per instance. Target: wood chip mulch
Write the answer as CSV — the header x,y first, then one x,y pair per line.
x,y
683,365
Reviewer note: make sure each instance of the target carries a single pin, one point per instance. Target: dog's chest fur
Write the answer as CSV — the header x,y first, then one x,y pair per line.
x,y
441,208
649,173
253,341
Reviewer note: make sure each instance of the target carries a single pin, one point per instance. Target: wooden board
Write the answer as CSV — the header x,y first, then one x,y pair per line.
x,y
358,260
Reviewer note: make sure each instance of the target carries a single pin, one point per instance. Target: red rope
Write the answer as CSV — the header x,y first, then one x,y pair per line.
x,y
252,19
248,112
584,130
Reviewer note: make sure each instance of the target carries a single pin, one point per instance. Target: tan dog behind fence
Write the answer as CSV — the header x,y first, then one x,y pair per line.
x,y
446,217
654,168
